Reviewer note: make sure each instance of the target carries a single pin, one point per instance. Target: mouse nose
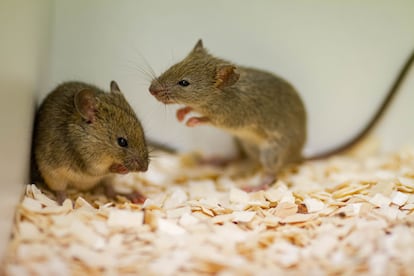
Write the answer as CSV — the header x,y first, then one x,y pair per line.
x,y
154,89
139,165
143,166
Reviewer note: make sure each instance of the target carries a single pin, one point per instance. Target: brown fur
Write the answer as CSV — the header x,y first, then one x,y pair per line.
x,y
76,132
262,110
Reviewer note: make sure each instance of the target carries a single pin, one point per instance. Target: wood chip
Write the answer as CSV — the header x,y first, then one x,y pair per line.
x,y
399,198
125,219
285,209
313,205
238,196
243,216
340,216
170,228
380,200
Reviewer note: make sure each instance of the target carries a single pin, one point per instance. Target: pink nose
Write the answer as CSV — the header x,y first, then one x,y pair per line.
x,y
154,90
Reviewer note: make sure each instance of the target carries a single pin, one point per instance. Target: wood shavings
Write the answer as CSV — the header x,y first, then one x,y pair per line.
x,y
313,205
298,218
407,184
240,216
399,198
175,199
170,228
344,215
380,200
188,219
125,218
285,209
238,196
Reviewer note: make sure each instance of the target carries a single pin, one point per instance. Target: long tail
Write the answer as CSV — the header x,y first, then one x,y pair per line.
x,y
377,116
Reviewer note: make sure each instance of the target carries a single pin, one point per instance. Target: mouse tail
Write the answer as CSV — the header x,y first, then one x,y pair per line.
x,y
375,119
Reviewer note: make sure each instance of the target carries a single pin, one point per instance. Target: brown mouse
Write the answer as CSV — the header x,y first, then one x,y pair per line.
x,y
83,136
263,111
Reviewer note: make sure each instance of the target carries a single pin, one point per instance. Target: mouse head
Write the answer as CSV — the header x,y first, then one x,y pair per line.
x,y
113,138
195,80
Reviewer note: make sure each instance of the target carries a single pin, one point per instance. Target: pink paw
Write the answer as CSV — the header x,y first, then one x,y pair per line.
x,y
251,189
195,121
182,112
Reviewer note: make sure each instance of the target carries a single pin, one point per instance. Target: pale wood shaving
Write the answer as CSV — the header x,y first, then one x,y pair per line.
x,y
341,216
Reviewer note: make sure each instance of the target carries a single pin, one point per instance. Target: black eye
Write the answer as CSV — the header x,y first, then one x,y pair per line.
x,y
183,83
122,142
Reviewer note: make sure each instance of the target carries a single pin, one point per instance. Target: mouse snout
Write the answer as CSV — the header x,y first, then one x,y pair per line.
x,y
138,165
155,89
161,93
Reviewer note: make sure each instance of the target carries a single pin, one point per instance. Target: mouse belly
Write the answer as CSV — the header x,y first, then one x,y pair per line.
x,y
272,150
247,134
62,178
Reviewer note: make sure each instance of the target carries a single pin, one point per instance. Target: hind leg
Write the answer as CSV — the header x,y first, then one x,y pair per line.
x,y
251,150
57,183
270,157
273,157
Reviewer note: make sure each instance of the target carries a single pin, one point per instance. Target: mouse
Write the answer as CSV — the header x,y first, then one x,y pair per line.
x,y
263,111
84,136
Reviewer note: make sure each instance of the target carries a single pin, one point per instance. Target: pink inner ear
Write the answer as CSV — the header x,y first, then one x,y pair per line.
x,y
88,109
90,114
226,76
85,103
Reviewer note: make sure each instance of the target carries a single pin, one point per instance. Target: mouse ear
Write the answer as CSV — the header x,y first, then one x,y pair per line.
x,y
85,104
226,76
198,47
115,87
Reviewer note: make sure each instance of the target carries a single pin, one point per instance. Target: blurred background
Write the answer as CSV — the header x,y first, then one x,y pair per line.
x,y
342,56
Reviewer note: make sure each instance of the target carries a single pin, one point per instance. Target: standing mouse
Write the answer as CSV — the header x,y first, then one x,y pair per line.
x,y
83,136
263,111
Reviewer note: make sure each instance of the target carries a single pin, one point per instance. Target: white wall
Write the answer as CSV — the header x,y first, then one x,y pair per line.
x,y
341,55
24,28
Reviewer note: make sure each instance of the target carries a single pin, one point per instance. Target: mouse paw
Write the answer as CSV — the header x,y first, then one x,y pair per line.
x,y
261,187
182,112
196,121
135,197
60,197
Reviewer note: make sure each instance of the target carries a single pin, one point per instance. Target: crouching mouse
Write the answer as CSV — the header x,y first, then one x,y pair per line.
x,y
83,136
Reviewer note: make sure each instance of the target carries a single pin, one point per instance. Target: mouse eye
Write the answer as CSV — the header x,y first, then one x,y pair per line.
x,y
122,142
183,83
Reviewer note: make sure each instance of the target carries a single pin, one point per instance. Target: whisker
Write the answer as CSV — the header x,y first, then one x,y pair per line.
x,y
148,68
147,75
143,65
